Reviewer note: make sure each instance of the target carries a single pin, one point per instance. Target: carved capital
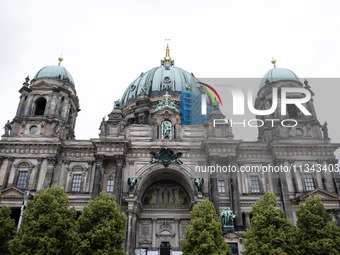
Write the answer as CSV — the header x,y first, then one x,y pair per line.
x,y
39,160
51,161
279,162
120,159
212,160
231,159
90,163
66,162
332,161
99,159
11,160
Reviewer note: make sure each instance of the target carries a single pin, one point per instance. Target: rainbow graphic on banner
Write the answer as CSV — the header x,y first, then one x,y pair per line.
x,y
209,93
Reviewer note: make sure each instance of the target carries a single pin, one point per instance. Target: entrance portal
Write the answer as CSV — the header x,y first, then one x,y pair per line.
x,y
165,248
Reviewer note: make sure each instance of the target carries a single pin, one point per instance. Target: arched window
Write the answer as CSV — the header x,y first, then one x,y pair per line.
x,y
166,130
40,105
22,175
77,175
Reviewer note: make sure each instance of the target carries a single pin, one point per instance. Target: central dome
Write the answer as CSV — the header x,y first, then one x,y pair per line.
x,y
158,81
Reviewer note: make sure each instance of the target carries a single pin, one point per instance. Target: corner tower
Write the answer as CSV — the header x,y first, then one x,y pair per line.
x,y
48,105
294,124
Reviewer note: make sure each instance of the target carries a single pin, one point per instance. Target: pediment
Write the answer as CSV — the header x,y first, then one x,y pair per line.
x,y
41,85
165,111
324,196
145,242
13,193
165,232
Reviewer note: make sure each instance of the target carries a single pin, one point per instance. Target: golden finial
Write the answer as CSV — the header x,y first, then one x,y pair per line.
x,y
167,54
273,62
60,59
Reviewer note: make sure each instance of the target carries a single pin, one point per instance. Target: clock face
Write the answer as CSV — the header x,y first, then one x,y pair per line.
x,y
33,129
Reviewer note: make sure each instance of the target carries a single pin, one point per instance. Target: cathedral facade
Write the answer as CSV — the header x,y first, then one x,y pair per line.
x,y
152,162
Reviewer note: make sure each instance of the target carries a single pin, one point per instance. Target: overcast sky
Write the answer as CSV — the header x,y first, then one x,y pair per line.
x,y
107,44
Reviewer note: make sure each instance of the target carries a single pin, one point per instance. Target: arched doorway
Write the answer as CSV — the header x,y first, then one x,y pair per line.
x,y
166,198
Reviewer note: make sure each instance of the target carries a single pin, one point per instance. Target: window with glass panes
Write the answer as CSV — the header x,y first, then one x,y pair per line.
x,y
309,182
109,185
22,178
221,187
76,183
254,184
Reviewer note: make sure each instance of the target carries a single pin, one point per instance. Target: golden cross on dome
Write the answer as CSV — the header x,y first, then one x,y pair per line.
x,y
166,96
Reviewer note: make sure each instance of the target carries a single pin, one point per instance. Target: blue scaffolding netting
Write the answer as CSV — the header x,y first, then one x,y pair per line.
x,y
190,108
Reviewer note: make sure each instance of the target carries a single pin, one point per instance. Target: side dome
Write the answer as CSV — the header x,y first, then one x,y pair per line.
x,y
157,81
278,74
58,72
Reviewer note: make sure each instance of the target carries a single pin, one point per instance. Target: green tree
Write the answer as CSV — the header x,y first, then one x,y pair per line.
x,y
270,232
203,234
101,227
47,225
7,228
318,233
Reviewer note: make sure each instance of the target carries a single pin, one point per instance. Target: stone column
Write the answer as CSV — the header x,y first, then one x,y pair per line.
x,y
235,193
8,172
154,231
213,185
58,105
19,110
65,107
36,175
1,161
129,230
118,178
131,227
284,192
53,105
28,105
48,106
51,162
97,176
247,219
177,233
89,174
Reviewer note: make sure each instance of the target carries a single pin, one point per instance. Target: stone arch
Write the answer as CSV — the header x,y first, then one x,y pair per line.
x,y
157,173
40,106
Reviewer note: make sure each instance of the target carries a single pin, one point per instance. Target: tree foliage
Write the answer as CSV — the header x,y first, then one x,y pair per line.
x,y
7,228
318,233
101,227
47,225
203,234
270,231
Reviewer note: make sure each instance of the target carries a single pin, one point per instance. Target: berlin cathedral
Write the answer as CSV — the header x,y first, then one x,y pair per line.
x,y
147,153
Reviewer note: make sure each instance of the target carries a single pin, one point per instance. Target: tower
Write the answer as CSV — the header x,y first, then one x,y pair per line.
x,y
294,124
48,105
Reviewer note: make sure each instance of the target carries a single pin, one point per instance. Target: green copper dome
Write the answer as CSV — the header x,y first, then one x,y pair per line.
x,y
158,81
278,74
58,72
